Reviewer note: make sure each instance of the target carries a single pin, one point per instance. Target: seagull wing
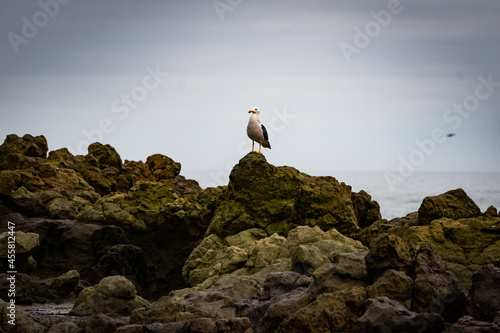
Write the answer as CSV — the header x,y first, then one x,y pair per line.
x,y
266,138
264,131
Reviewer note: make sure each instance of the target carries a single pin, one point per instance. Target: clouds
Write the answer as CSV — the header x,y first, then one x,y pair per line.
x,y
275,55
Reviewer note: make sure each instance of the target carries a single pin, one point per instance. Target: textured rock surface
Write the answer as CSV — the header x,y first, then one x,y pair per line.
x,y
454,204
114,294
304,250
483,302
385,315
275,251
464,245
277,199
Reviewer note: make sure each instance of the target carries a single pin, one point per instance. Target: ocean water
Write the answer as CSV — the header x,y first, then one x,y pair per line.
x,y
404,197
407,196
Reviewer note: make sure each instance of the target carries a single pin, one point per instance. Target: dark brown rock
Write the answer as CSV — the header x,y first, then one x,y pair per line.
x,y
385,315
100,323
162,167
436,290
483,302
390,251
367,210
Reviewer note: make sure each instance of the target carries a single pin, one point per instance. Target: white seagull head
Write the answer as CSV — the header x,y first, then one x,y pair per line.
x,y
254,110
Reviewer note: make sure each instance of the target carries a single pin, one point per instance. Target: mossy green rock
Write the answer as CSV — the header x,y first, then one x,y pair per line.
x,y
465,245
114,294
25,242
454,204
277,199
150,204
251,253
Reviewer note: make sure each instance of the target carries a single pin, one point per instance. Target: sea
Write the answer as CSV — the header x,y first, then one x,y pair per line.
x,y
402,196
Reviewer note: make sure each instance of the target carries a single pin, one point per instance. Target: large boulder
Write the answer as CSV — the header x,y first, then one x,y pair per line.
x,y
15,319
330,312
385,315
394,284
464,245
277,199
483,302
435,290
220,301
114,294
20,246
454,204
390,252
65,284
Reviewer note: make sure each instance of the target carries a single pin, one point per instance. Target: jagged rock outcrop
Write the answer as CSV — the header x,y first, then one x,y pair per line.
x,y
277,199
276,250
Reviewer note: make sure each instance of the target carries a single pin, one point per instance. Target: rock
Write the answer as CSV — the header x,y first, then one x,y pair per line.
x,y
65,284
220,301
64,245
267,316
279,283
454,204
464,245
385,315
33,185
277,199
65,327
105,155
483,302
396,226
468,324
162,167
491,212
22,321
304,250
396,285
124,259
330,312
14,152
351,265
390,251
435,290
367,211
200,325
114,294
28,289
25,244
101,323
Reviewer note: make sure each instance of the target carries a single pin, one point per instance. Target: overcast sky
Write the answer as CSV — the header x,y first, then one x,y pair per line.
x,y
342,85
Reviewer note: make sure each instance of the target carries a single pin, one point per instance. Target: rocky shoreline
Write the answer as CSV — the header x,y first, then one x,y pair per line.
x,y
103,245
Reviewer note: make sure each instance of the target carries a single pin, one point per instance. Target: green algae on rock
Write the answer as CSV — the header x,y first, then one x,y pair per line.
x,y
277,199
114,294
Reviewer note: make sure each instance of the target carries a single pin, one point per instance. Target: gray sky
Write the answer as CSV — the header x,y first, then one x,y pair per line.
x,y
342,85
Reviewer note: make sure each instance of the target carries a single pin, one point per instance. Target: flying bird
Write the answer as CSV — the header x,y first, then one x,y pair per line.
x,y
449,135
256,131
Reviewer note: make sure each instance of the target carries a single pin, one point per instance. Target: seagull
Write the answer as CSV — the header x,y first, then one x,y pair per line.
x,y
256,131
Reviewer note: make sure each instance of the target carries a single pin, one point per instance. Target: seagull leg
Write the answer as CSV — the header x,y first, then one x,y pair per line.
x,y
252,146
260,145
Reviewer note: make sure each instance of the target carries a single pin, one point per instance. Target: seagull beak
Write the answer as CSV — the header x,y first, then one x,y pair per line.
x,y
251,111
